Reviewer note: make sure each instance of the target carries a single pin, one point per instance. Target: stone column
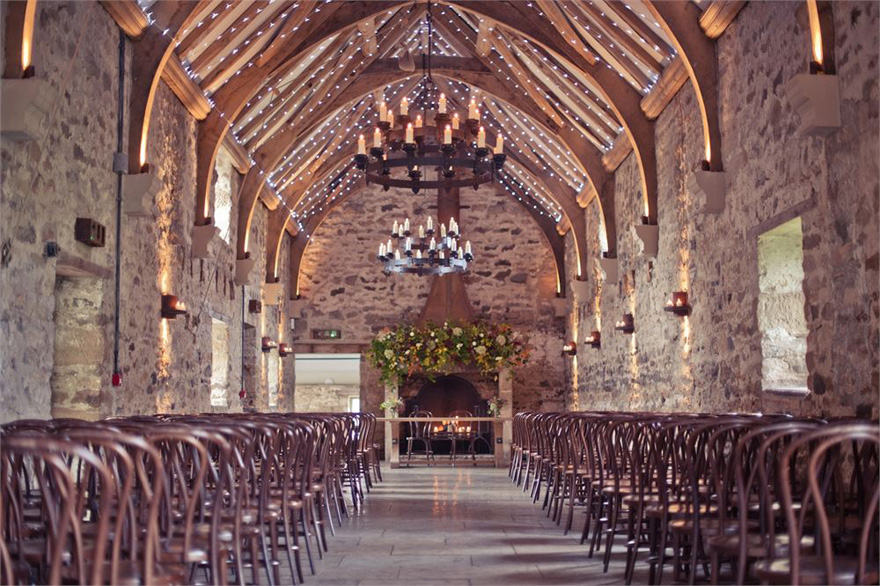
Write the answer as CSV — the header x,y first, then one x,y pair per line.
x,y
505,393
392,450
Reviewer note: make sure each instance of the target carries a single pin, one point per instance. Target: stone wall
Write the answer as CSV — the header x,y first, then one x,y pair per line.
x,y
512,280
47,184
325,398
711,361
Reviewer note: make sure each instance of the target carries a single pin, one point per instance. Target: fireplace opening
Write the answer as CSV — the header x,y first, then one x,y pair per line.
x,y
447,395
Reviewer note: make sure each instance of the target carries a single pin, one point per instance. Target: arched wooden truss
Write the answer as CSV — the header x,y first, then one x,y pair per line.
x,y
584,80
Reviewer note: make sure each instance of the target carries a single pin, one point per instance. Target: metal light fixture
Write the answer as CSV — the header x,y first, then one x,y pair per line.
x,y
594,339
172,307
678,305
570,348
268,344
626,325
425,252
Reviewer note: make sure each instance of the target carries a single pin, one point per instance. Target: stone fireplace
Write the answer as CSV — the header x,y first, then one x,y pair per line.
x,y
445,394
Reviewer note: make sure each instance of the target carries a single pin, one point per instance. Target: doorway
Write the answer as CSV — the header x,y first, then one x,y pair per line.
x,y
328,382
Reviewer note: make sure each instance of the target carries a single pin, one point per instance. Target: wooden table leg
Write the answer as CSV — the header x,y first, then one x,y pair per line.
x,y
500,451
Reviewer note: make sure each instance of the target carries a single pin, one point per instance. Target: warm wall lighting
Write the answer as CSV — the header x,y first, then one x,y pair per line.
x,y
284,350
268,344
594,339
570,348
815,36
172,307
626,325
678,304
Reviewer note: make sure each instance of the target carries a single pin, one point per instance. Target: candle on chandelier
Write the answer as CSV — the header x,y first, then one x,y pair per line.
x,y
447,135
419,123
400,232
481,138
404,107
406,225
456,123
442,106
408,243
397,254
383,111
362,145
430,224
381,250
419,253
433,245
460,252
394,227
388,246
377,138
409,134
499,144
453,226
421,231
467,247
442,230
473,113
390,119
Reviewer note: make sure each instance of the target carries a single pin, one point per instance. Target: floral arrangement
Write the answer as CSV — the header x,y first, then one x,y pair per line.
x,y
437,349
394,403
495,406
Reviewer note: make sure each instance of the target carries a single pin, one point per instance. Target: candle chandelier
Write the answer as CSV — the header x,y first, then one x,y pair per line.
x,y
425,252
404,149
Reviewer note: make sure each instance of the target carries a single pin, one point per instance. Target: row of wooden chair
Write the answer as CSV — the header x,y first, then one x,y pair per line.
x,y
773,499
174,499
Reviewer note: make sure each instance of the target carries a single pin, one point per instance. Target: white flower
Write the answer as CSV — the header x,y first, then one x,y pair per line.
x,y
389,353
501,340
458,345
497,358
480,350
456,331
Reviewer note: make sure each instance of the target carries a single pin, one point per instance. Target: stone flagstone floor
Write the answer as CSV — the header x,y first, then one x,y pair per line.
x,y
465,525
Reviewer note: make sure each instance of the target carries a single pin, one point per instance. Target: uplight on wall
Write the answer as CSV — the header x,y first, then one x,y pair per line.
x,y
268,344
570,348
172,307
284,350
626,325
594,339
678,305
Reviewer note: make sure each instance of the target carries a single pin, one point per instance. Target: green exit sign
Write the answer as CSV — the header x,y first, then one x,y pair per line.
x,y
326,334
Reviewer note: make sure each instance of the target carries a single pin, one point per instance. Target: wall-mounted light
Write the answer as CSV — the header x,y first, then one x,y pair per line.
x,y
284,350
268,344
255,306
570,348
649,233
678,304
594,339
172,307
626,325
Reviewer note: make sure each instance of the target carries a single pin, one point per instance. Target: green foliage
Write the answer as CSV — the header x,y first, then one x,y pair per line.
x,y
439,349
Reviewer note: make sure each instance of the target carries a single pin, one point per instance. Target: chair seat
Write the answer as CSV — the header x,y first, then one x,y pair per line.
x,y
812,571
756,544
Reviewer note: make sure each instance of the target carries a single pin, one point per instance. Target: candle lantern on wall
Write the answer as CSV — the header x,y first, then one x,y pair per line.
x,y
172,307
284,350
678,305
268,344
570,348
594,339
626,325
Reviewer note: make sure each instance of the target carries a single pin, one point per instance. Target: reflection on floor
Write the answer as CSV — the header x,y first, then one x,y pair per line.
x,y
463,525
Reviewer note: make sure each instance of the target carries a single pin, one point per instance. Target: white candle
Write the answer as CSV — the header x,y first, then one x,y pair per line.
x,y
388,246
453,227
499,144
442,107
467,247
460,252
442,230
430,223
481,138
419,253
433,245
419,121
394,227
456,123
472,110
382,249
377,138
383,111
447,135
408,243
397,254
400,232
421,231
362,145
409,134
406,225
404,107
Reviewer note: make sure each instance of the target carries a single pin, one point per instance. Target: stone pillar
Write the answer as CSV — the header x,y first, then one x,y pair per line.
x,y
392,449
505,393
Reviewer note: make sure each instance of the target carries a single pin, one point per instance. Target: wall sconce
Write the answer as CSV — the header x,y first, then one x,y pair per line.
x,y
284,350
649,234
594,339
255,306
268,344
626,325
678,304
172,307
570,348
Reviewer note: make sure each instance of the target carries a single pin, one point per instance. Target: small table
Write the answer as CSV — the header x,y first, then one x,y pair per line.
x,y
392,435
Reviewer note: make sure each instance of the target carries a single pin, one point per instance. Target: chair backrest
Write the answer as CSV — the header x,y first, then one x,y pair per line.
x,y
418,429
